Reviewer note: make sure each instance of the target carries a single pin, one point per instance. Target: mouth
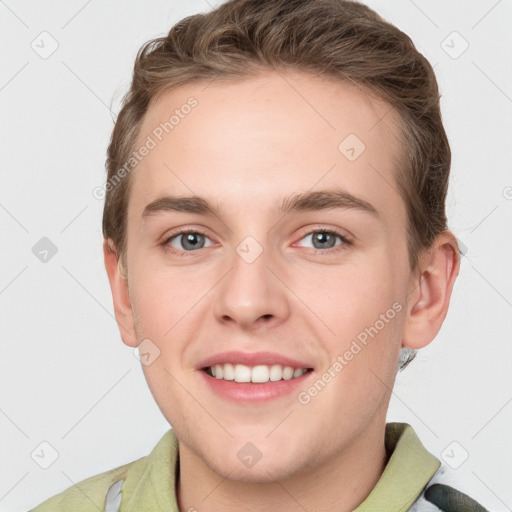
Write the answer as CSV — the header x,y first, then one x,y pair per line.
x,y
258,374
254,378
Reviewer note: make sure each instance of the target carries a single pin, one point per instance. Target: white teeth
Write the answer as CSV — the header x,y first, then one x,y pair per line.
x,y
287,373
229,372
276,372
259,374
242,373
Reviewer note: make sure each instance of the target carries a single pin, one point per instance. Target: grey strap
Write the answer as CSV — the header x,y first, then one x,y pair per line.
x,y
449,499
114,497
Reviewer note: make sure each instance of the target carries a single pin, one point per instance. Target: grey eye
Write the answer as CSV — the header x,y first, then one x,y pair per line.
x,y
189,241
323,239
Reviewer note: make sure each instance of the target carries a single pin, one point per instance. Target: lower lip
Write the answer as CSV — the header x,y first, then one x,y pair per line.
x,y
250,392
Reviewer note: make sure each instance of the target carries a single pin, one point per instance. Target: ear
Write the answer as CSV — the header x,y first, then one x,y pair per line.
x,y
119,286
430,292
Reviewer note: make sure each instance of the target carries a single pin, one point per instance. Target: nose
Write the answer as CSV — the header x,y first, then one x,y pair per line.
x,y
253,291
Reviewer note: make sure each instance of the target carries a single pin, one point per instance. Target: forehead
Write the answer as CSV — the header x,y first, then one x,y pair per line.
x,y
250,141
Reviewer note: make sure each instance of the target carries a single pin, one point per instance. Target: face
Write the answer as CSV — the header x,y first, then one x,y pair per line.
x,y
294,256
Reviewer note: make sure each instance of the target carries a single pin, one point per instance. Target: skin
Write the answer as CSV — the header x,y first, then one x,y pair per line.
x,y
245,146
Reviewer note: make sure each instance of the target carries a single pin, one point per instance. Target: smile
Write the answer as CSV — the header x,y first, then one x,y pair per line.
x,y
257,374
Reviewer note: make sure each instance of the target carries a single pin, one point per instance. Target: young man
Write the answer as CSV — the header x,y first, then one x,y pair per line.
x,y
277,247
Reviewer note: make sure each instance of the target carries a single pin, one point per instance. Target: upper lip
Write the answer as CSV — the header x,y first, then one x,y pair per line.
x,y
251,359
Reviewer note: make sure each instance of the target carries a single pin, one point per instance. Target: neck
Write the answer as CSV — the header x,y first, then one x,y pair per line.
x,y
339,484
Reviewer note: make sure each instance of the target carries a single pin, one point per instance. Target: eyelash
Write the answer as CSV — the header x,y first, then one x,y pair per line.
x,y
330,231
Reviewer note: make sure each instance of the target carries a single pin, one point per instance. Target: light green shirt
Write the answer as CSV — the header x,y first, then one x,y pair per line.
x,y
149,482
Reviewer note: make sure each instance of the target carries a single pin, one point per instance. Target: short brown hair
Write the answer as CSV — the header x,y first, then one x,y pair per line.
x,y
336,39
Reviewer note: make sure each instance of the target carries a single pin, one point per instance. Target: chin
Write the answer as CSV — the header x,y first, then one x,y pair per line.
x,y
261,473
248,464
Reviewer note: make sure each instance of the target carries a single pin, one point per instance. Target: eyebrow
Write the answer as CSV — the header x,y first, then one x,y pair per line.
x,y
305,202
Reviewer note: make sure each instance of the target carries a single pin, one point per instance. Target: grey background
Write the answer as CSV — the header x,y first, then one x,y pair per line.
x,y
65,376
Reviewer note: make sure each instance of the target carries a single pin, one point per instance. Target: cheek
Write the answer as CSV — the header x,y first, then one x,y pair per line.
x,y
168,307
161,298
353,297
363,309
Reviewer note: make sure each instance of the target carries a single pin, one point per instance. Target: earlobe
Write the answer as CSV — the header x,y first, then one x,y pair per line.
x,y
120,296
430,295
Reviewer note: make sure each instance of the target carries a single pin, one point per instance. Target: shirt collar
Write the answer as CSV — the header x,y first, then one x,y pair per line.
x,y
410,467
150,483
